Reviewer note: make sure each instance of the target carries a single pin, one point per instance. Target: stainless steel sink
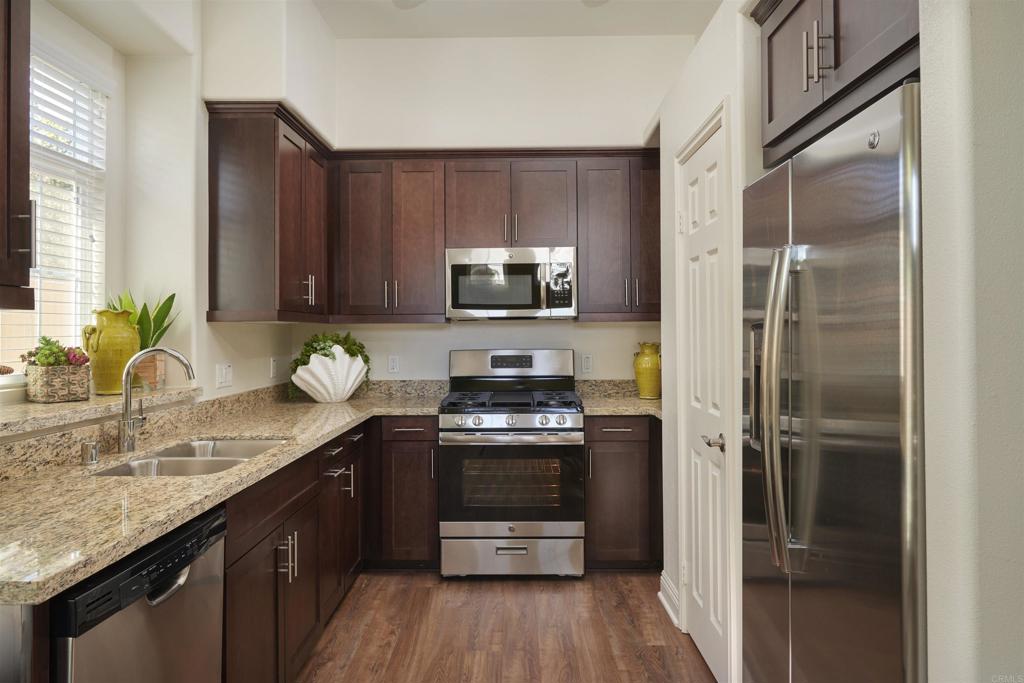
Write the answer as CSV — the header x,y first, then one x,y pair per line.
x,y
221,448
171,467
193,458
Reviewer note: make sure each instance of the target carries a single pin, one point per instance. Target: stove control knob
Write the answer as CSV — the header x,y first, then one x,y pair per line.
x,y
510,420
544,420
561,419
477,420
460,421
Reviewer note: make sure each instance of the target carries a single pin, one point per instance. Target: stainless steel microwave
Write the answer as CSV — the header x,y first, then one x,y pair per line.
x,y
510,283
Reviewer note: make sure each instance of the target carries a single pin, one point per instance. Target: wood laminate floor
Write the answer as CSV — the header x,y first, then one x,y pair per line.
x,y
418,628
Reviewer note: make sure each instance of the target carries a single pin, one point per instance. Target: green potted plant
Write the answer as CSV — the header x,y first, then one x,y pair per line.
x,y
152,323
55,373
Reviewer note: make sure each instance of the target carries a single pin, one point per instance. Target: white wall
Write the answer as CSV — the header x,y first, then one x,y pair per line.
x,y
272,50
973,237
723,66
502,92
423,349
65,42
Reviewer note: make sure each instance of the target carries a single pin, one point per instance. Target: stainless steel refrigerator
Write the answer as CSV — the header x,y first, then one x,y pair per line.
x,y
833,491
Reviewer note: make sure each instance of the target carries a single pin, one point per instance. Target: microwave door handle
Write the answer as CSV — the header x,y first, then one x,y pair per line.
x,y
545,280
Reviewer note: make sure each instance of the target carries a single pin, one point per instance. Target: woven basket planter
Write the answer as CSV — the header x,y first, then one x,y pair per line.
x,y
57,384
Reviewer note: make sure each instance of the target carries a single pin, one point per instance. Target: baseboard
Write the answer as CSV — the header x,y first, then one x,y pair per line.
x,y
669,597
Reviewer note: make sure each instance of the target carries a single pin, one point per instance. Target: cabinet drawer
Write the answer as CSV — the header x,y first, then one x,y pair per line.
x,y
617,428
256,511
412,428
341,448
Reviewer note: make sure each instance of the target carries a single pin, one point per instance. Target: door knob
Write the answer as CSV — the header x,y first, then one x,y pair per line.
x,y
718,443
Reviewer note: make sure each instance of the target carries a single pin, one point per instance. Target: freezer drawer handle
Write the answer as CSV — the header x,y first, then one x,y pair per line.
x,y
512,550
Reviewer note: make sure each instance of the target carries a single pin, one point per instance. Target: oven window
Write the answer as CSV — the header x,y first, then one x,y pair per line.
x,y
512,482
496,286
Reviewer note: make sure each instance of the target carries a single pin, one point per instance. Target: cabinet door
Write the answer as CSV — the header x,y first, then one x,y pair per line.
x,y
365,239
409,501
352,520
618,497
477,204
314,229
860,35
332,586
299,605
292,274
418,237
15,220
787,91
645,234
543,203
604,240
252,652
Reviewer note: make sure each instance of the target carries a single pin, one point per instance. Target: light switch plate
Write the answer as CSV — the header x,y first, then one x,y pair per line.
x,y
224,375
588,364
273,368
392,364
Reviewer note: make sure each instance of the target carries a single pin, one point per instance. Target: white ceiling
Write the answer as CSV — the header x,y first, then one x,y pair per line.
x,y
502,18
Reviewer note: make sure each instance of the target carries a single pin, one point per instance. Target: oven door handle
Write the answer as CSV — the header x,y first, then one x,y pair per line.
x,y
515,438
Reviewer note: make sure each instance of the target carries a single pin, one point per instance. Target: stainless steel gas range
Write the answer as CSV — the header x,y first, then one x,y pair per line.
x,y
510,476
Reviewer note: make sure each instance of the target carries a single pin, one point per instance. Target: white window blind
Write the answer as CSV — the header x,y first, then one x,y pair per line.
x,y
68,133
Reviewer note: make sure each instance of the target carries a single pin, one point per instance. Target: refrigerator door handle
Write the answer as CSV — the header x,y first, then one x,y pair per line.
x,y
771,361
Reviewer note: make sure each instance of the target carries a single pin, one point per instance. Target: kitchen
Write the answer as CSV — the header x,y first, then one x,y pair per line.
x,y
409,174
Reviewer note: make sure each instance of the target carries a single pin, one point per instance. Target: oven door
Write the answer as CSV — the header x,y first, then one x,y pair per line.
x,y
496,283
487,487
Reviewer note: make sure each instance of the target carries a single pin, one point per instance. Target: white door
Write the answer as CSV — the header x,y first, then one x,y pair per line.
x,y
705,395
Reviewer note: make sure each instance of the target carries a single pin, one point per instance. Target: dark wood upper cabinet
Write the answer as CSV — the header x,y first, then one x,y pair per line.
x,y
789,91
645,234
409,531
364,259
822,60
418,237
477,203
268,209
860,35
543,203
293,287
619,253
16,226
603,259
252,630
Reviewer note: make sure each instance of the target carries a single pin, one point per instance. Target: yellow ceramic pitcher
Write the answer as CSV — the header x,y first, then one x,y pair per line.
x,y
110,343
647,366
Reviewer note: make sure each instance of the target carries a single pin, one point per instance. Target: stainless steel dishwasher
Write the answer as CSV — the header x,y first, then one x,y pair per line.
x,y
156,616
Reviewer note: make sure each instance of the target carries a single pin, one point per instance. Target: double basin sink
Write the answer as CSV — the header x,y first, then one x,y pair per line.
x,y
193,458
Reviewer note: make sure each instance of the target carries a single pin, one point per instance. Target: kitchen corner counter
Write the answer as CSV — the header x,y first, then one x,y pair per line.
x,y
60,524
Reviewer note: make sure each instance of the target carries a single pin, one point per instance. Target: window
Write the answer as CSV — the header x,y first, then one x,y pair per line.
x,y
68,132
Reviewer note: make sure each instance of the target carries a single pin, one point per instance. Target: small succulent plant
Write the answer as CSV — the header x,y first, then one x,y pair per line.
x,y
51,353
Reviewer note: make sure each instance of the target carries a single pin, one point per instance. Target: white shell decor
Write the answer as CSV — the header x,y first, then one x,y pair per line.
x,y
331,381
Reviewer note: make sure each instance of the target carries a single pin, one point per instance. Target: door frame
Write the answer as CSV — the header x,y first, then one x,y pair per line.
x,y
721,120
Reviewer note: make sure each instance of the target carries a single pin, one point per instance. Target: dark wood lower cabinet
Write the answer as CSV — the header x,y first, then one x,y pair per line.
x,y
623,494
299,602
409,531
252,630
351,507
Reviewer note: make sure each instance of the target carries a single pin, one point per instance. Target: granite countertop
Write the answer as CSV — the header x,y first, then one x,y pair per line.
x,y
61,525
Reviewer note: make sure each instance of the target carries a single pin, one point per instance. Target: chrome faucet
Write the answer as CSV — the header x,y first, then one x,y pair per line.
x,y
130,424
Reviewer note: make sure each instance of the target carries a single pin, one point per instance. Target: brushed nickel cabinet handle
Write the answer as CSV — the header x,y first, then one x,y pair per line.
x,y
504,228
803,61
31,217
431,463
815,40
355,437
296,568
334,451
352,481
385,294
627,292
407,429
636,291
616,429
334,474
515,221
288,547
590,463
396,295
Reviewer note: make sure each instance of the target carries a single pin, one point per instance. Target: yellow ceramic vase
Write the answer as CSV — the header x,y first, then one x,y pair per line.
x,y
647,366
110,343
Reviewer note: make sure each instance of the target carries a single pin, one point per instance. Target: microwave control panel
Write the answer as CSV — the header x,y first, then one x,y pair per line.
x,y
560,286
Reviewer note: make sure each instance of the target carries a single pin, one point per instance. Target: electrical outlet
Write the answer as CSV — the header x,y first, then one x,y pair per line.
x,y
588,364
224,375
392,364
273,368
